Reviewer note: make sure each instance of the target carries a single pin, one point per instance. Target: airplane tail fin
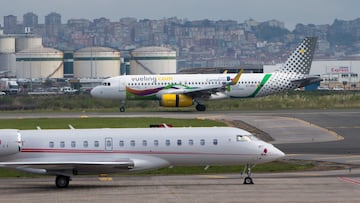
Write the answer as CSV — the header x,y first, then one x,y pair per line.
x,y
300,60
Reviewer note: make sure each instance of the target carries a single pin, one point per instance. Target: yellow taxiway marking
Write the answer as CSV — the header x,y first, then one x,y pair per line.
x,y
105,179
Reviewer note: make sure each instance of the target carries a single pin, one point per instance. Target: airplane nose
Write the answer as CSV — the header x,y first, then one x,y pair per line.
x,y
272,153
96,92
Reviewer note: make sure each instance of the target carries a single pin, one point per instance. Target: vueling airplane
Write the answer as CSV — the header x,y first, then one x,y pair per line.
x,y
183,90
65,153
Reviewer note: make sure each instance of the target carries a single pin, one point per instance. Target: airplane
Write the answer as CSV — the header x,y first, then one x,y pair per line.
x,y
68,152
183,90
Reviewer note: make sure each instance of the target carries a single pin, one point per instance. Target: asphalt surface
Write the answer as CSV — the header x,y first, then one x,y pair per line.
x,y
326,135
319,186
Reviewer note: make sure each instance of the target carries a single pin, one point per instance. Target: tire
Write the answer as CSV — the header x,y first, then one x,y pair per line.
x,y
62,181
248,181
122,109
200,107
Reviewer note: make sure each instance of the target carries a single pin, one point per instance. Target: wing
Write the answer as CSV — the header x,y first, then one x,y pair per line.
x,y
307,81
69,166
201,92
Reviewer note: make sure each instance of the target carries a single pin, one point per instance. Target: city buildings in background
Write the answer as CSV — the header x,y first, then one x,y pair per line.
x,y
187,46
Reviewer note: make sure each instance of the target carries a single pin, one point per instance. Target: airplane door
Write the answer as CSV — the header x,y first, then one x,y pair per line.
x,y
108,144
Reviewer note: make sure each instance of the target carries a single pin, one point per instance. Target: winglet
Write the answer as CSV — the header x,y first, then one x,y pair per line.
x,y
237,77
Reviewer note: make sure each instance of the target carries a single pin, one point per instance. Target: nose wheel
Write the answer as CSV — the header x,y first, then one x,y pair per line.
x,y
122,106
248,180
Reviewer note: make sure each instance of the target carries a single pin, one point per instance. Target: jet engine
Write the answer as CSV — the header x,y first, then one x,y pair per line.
x,y
175,100
10,142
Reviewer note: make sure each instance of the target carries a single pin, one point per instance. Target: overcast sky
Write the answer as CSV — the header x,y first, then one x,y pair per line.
x,y
290,12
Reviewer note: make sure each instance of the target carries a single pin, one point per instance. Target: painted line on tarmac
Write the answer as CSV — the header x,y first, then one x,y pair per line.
x,y
349,180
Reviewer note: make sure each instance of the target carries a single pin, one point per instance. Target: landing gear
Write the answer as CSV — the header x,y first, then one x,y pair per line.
x,y
122,107
248,179
200,107
62,181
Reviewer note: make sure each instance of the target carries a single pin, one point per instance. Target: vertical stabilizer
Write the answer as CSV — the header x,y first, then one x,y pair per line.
x,y
300,60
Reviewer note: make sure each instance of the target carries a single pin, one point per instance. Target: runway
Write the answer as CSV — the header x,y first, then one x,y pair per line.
x,y
324,135
319,186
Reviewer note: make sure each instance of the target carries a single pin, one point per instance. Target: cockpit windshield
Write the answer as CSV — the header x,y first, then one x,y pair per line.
x,y
246,138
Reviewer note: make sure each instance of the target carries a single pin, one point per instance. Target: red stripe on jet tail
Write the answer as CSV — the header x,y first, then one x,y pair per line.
x,y
349,180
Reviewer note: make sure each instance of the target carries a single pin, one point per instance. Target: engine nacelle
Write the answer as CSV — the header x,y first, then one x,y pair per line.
x,y
175,100
10,142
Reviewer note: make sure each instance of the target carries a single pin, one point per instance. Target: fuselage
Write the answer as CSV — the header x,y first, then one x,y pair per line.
x,y
151,87
147,148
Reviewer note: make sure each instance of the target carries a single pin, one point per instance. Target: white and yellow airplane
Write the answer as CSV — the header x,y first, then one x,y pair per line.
x,y
183,90
69,152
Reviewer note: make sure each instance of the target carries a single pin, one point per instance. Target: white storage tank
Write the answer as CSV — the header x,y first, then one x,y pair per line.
x,y
7,44
96,62
27,42
39,63
7,55
152,60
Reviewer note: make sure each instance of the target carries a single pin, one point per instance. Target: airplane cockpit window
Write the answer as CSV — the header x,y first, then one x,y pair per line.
x,y
242,138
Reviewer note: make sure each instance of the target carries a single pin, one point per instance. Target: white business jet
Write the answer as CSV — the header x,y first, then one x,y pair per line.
x,y
183,90
69,152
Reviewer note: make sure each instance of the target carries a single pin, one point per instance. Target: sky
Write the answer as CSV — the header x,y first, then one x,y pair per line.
x,y
290,12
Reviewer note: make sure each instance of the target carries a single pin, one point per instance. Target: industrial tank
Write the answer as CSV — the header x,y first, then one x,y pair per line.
x,y
27,42
96,62
152,60
39,63
7,56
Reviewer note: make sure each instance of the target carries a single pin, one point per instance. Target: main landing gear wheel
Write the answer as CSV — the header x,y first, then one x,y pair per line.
x,y
200,107
62,181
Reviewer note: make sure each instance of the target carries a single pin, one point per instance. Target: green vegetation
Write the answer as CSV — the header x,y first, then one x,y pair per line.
x,y
291,100
62,123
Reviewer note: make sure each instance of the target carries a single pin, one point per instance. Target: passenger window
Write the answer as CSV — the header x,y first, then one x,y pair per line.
x,y
215,141
144,143
179,142
86,144
156,142
121,143
191,142
51,144
96,143
132,143
167,142
62,144
202,142
73,144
